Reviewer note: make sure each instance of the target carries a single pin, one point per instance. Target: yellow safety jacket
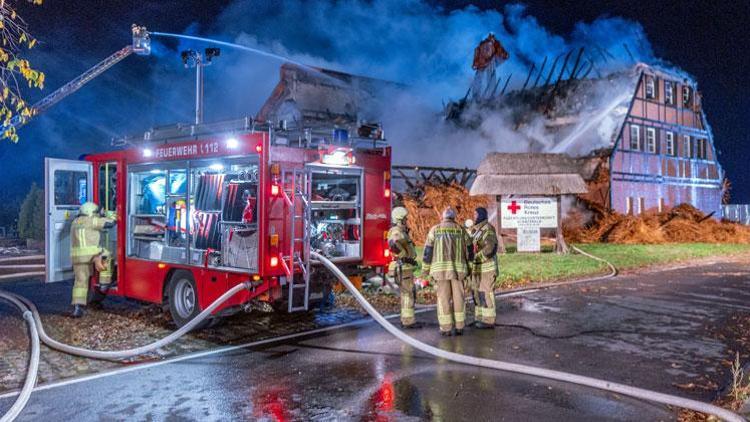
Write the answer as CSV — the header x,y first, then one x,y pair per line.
x,y
85,234
484,238
402,248
447,252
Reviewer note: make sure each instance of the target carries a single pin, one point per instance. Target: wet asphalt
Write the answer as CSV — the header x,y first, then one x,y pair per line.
x,y
668,331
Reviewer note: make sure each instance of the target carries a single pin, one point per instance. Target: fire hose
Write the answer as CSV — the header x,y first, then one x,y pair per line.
x,y
598,384
31,315
37,333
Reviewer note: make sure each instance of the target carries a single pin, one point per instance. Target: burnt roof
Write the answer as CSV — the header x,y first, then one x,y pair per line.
x,y
311,96
571,115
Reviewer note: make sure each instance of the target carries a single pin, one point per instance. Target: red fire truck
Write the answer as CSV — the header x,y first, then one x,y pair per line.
x,y
202,208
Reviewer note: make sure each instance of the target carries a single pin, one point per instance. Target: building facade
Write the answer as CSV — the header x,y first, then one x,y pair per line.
x,y
664,154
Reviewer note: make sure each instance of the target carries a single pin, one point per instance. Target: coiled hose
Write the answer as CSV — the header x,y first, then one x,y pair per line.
x,y
27,307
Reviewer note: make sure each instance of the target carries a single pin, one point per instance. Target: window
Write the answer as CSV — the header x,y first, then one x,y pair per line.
x,y
670,144
661,204
148,192
650,87
629,205
179,210
701,148
669,92
108,186
651,140
635,137
705,149
687,96
641,205
71,187
687,148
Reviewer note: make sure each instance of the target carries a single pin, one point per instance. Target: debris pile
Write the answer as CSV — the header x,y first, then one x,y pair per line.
x,y
683,223
425,210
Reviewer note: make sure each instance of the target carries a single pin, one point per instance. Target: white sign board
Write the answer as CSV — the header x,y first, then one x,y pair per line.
x,y
528,212
528,239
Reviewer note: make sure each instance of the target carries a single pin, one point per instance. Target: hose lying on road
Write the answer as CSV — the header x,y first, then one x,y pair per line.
x,y
527,370
28,308
31,315
28,385
124,354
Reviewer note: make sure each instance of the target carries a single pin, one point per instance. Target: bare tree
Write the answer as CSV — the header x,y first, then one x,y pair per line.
x,y
15,69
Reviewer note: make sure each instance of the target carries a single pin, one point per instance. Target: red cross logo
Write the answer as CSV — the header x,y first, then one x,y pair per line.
x,y
513,207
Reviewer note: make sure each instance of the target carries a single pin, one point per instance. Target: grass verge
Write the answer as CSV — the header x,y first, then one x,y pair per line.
x,y
521,269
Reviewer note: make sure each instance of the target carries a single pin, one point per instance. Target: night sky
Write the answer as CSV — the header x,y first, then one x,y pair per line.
x,y
710,40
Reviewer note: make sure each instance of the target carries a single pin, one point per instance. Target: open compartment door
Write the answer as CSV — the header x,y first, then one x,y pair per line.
x,y
67,185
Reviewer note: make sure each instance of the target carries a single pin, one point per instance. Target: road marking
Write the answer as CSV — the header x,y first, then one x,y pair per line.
x,y
226,349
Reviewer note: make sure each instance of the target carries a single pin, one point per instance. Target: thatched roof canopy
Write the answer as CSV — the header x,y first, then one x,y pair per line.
x,y
528,174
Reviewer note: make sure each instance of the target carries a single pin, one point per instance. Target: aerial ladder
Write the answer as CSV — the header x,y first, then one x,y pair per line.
x,y
141,46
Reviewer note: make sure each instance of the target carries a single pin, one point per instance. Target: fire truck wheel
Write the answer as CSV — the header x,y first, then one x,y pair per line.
x,y
183,299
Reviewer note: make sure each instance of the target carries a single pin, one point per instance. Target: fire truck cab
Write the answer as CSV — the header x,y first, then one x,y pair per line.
x,y
202,208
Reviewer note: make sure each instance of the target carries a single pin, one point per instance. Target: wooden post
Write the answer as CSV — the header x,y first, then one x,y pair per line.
x,y
560,246
500,242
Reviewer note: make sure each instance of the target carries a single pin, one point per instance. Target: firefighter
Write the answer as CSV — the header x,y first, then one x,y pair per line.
x,y
484,270
86,253
447,254
402,267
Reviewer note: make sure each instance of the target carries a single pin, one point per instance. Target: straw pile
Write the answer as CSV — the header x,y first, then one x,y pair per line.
x,y
683,223
425,211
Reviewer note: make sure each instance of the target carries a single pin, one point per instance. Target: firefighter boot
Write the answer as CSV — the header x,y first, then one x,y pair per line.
x,y
78,311
483,325
412,326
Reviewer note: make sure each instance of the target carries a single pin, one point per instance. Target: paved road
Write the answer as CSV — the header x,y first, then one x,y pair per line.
x,y
655,330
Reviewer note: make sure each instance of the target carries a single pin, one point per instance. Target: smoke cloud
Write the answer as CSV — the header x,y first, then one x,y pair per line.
x,y
412,42
430,50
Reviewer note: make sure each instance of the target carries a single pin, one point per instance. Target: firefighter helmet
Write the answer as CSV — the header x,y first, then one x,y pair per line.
x,y
398,214
89,208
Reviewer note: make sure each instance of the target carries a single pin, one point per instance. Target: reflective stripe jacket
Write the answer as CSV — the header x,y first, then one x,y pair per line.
x,y
85,233
447,252
485,249
401,246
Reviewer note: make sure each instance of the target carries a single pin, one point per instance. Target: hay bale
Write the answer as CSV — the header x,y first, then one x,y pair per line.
x,y
683,223
425,211
629,229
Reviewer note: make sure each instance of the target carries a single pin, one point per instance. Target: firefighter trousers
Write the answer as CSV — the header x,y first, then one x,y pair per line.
x,y
483,291
82,273
450,306
403,276
408,292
